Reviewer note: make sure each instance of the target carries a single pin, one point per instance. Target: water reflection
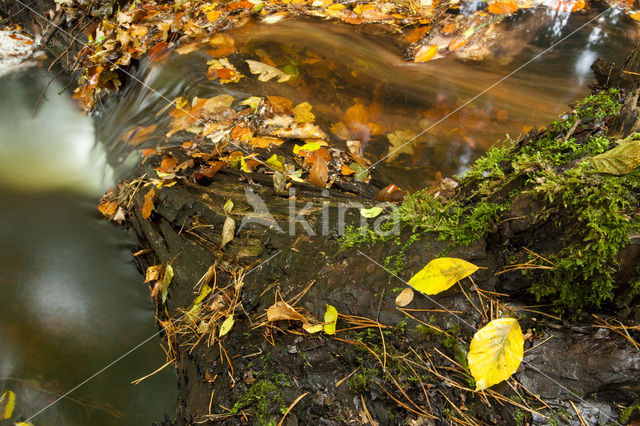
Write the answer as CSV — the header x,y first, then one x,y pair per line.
x,y
71,299
344,71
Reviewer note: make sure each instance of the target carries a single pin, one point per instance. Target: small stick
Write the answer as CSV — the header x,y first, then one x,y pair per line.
x,y
291,406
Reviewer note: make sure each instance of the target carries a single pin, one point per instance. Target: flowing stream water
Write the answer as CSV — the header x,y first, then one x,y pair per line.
x,y
72,299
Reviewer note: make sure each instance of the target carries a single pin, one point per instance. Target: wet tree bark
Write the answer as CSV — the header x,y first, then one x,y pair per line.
x,y
592,365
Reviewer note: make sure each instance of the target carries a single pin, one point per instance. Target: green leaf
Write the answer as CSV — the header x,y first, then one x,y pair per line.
x,y
330,320
620,160
371,213
495,352
440,274
166,280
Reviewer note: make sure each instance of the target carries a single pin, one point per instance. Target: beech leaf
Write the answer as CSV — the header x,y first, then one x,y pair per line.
x,y
440,274
620,160
267,72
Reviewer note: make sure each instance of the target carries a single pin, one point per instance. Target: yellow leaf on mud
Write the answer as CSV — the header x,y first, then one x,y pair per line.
x,y
311,146
147,207
312,328
440,274
283,311
426,53
7,404
330,320
495,352
226,326
267,72
404,298
303,113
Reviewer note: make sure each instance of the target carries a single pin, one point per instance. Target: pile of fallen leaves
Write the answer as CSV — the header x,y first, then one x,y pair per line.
x,y
432,28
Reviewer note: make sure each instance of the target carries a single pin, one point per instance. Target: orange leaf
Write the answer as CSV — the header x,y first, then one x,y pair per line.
x,y
108,208
567,5
635,15
448,29
241,133
168,164
504,6
146,152
457,43
147,207
391,193
281,105
346,170
426,53
319,174
417,34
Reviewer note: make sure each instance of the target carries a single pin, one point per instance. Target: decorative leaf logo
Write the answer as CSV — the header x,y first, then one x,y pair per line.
x,y
440,274
495,352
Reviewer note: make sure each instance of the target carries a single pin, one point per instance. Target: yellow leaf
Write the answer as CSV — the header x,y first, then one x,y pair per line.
x,y
404,298
426,53
620,160
440,274
495,352
275,163
226,326
265,141
7,404
303,113
330,320
267,72
312,328
166,280
311,146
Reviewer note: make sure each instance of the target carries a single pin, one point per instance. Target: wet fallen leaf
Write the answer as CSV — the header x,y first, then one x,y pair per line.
x,y
221,45
620,160
228,206
166,280
330,320
283,311
503,7
425,53
310,147
168,164
457,43
7,404
197,302
279,181
153,273
265,141
345,170
228,231
495,352
226,326
267,72
147,207
146,152
391,193
280,105
567,5
275,163
319,173
108,208
371,212
303,113
417,33
440,274
404,298
401,143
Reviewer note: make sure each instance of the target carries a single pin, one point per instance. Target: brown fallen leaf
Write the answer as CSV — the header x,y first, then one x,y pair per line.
x,y
391,193
404,298
147,207
108,208
319,173
228,231
283,311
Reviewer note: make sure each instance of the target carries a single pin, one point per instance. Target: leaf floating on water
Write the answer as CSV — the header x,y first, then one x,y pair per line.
x,y
147,207
228,231
620,160
267,72
371,213
404,298
330,320
303,113
7,404
440,274
495,352
226,326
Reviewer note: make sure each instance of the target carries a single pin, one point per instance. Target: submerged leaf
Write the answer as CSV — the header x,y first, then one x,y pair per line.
x,y
330,320
440,274
7,404
303,113
267,72
495,352
620,160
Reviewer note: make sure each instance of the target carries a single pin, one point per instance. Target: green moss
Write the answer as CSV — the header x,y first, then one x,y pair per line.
x,y
625,414
263,396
